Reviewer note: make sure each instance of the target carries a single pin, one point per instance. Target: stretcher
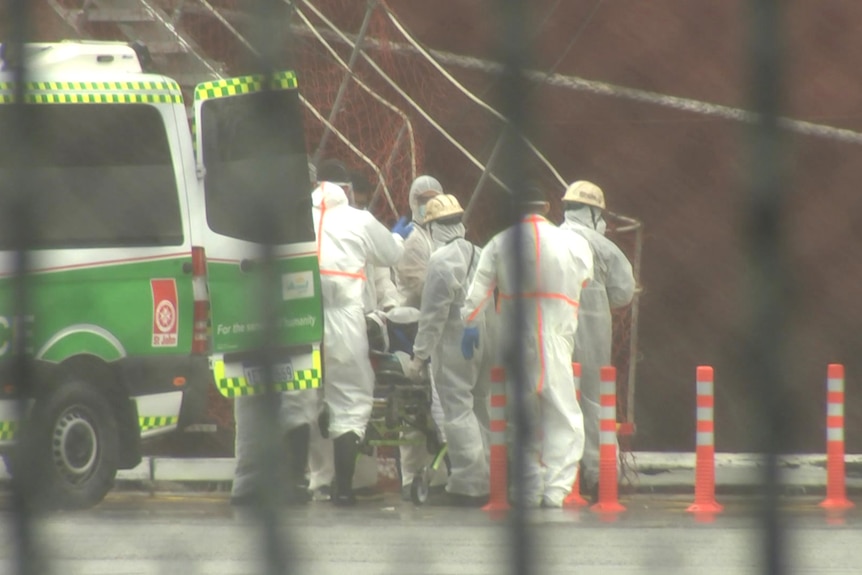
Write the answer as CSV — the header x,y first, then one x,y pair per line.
x,y
401,413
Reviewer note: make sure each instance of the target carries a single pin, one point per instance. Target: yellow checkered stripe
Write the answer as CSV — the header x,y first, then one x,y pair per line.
x,y
8,430
154,422
156,92
232,387
245,85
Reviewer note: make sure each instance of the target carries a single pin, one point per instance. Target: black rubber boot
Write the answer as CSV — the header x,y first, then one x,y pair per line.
x,y
346,448
296,445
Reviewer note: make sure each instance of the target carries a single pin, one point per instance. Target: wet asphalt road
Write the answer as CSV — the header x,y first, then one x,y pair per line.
x,y
137,533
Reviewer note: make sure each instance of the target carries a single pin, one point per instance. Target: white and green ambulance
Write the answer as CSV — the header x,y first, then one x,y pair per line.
x,y
147,278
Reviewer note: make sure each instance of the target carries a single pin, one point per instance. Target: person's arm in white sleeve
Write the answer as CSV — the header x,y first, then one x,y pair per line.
x,y
411,269
437,297
387,295
582,252
383,249
620,282
481,292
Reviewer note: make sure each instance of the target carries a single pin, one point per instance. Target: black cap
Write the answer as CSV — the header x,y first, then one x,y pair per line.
x,y
332,170
534,192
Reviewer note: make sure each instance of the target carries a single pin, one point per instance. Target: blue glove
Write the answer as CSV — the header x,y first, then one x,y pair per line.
x,y
469,341
403,227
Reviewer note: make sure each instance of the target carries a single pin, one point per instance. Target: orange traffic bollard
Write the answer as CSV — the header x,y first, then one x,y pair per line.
x,y
574,498
499,483
704,475
608,488
836,488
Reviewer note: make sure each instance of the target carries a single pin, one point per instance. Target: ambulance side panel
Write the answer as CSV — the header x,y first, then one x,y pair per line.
x,y
110,275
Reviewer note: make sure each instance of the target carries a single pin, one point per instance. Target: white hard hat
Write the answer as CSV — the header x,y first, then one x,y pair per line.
x,y
584,192
442,207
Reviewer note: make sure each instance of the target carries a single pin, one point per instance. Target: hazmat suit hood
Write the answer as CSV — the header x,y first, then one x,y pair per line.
x,y
328,194
588,216
442,234
421,185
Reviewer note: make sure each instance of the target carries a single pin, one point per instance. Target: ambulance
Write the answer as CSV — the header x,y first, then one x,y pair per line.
x,y
169,247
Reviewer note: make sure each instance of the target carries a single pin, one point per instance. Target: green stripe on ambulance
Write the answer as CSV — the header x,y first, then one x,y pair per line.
x,y
155,92
244,85
151,423
8,430
232,387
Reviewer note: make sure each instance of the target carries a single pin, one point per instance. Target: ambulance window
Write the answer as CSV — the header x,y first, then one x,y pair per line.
x,y
102,176
257,186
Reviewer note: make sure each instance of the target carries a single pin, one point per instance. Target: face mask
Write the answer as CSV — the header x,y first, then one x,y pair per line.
x,y
443,234
601,226
422,213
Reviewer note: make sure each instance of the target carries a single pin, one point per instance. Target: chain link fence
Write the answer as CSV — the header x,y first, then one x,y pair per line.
x,y
725,138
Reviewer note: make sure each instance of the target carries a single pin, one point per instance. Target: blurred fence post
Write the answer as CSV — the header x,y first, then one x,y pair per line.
x,y
770,281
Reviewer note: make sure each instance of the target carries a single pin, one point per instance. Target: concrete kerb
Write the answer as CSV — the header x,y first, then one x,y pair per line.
x,y
736,473
649,472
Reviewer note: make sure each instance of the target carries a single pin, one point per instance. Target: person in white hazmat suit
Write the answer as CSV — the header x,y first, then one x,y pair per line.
x,y
379,294
410,280
348,240
556,264
411,269
612,286
463,386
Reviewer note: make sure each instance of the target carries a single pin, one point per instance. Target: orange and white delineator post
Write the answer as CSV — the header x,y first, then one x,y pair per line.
x,y
836,488
608,488
704,474
574,498
498,499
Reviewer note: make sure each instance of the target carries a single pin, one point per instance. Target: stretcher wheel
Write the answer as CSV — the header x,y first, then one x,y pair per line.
x,y
420,487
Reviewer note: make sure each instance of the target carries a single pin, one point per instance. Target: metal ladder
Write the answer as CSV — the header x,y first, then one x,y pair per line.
x,y
173,52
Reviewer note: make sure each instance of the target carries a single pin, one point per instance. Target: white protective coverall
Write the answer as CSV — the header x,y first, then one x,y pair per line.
x,y
380,295
556,266
410,279
348,240
612,286
463,386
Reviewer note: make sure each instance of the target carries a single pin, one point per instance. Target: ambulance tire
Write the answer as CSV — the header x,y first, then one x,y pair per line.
x,y
76,446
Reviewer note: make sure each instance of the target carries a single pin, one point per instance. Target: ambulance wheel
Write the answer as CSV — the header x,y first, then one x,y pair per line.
x,y
76,449
420,487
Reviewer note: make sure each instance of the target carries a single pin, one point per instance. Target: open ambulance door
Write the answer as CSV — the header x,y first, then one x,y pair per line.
x,y
252,160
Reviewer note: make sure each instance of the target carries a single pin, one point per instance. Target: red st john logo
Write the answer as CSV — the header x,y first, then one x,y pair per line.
x,y
165,312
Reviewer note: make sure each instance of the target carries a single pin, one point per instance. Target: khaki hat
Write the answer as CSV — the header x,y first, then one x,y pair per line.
x,y
442,207
584,192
